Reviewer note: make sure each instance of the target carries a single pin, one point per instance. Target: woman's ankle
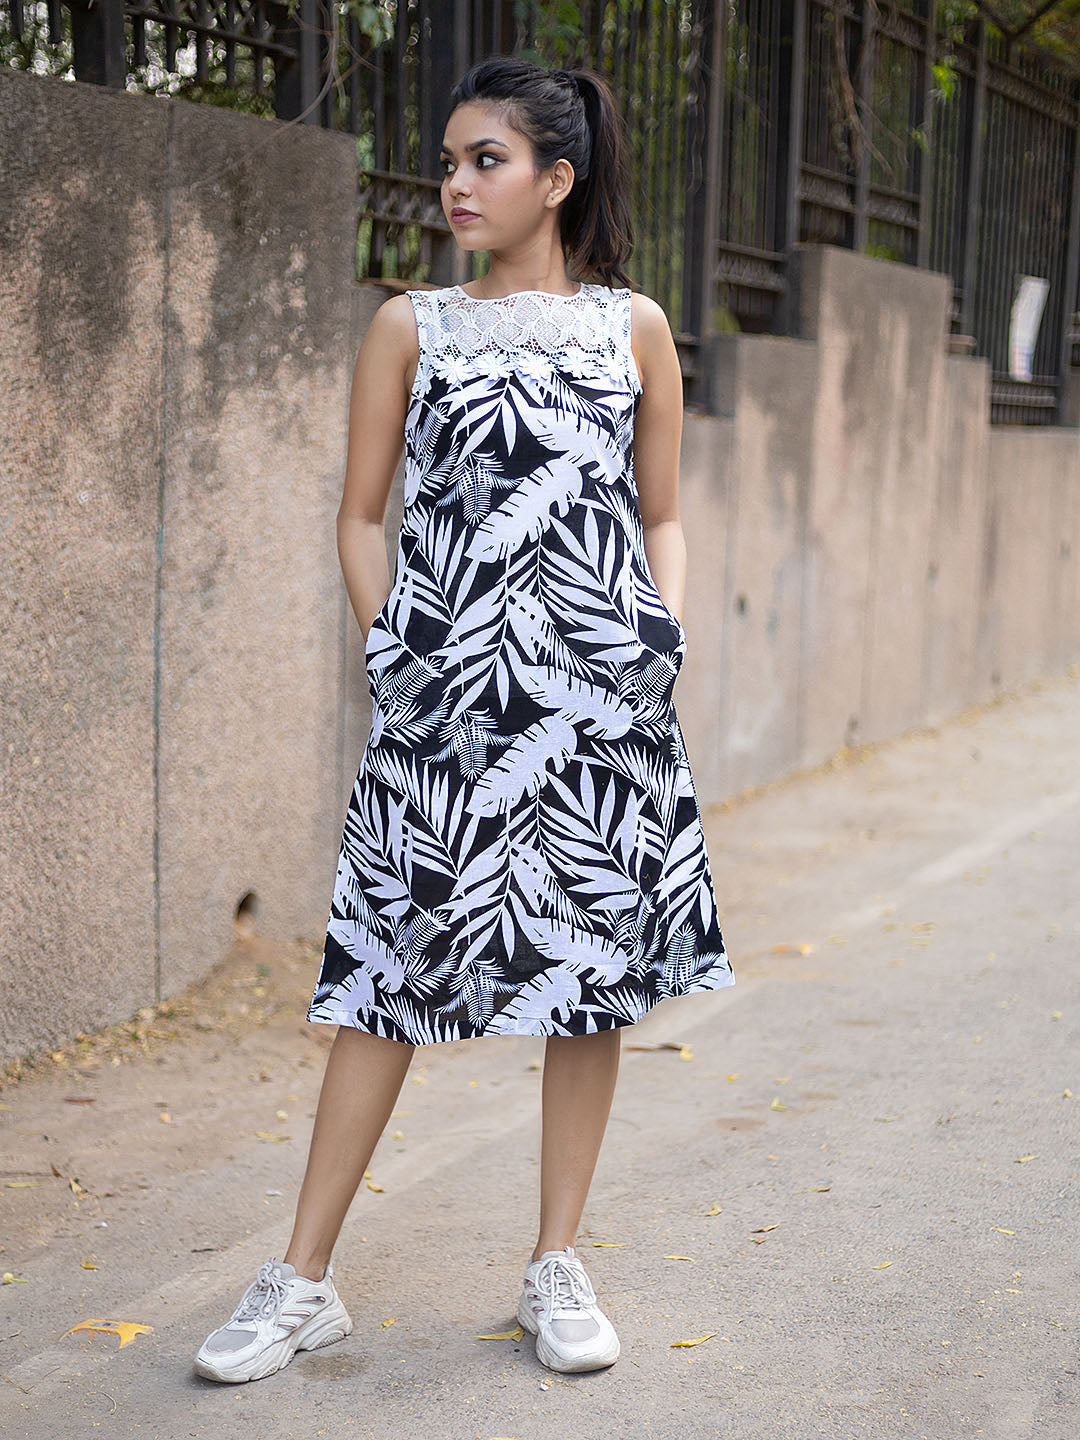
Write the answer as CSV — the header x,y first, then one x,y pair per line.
x,y
313,1270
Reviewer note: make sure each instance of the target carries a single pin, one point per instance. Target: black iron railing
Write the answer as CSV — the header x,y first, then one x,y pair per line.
x,y
754,125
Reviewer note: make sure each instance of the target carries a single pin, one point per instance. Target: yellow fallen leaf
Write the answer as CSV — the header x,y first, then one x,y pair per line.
x,y
396,1114
764,1229
267,1135
281,1114
379,1189
516,1334
1056,1015
387,1323
76,1188
1021,1160
685,1053
736,1076
474,1084
887,1119
9,1279
699,1341
398,1135
814,1190
367,1174
1066,1094
89,1265
883,1266
777,1104
716,1210
7,1107
610,1244
126,1329
681,1257
1002,1231
22,1185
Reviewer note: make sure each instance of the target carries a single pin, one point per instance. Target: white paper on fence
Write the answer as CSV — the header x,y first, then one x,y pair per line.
x,y
1024,323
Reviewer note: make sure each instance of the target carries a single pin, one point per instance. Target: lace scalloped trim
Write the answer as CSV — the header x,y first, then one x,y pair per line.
x,y
462,337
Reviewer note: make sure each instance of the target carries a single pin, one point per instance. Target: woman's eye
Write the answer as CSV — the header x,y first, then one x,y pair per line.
x,y
447,165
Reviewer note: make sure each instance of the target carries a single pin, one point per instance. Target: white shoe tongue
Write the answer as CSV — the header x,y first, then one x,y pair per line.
x,y
287,1270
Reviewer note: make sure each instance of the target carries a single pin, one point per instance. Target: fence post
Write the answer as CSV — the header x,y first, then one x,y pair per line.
x,y
926,150
1070,301
864,108
297,76
98,42
974,181
789,120
698,315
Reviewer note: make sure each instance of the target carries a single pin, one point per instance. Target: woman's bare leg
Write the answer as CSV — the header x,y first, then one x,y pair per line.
x,y
363,1076
578,1086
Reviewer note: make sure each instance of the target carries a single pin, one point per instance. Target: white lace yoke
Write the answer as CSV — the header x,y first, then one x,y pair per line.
x,y
585,335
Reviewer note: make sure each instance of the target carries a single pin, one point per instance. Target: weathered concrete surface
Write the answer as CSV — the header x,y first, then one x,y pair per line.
x,y
175,360
885,1122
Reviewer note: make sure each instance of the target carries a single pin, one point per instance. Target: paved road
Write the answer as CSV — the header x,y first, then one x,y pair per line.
x,y
880,1109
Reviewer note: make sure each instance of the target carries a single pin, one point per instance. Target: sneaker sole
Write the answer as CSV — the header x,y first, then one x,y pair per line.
x,y
552,1359
333,1326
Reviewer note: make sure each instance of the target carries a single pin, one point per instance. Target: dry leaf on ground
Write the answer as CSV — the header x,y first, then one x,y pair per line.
x,y
516,1334
126,1329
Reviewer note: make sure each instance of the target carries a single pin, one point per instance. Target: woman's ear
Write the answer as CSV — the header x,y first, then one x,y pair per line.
x,y
562,181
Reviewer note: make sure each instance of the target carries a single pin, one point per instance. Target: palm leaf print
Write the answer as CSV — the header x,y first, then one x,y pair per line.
x,y
599,710
527,512
523,768
522,852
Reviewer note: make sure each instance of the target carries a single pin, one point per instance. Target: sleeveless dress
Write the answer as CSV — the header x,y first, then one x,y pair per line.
x,y
523,851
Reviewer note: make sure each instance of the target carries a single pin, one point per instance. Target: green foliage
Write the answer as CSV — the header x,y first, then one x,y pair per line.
x,y
945,76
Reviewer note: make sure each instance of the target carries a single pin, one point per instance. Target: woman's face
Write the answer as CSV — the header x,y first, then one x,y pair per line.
x,y
491,196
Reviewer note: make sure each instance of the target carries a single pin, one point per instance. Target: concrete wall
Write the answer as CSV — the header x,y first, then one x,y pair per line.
x,y
184,701
866,553
179,678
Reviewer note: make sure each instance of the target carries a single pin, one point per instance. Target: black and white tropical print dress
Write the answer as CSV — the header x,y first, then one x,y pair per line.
x,y
523,851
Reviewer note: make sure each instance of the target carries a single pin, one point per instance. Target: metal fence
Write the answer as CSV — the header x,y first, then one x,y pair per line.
x,y
754,125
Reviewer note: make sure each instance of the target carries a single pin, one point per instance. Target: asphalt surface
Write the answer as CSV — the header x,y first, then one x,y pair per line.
x,y
855,1171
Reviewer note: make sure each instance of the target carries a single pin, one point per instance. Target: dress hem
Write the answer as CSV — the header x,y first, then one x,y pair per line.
x,y
348,1018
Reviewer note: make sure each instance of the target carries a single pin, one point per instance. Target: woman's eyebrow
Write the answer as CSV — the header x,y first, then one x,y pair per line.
x,y
475,145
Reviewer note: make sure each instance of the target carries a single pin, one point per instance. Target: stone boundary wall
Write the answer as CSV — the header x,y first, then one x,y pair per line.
x,y
184,701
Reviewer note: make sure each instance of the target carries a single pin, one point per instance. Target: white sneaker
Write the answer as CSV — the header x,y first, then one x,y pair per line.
x,y
559,1307
279,1313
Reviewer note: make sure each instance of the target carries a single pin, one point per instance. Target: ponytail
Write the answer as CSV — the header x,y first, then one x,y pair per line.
x,y
571,115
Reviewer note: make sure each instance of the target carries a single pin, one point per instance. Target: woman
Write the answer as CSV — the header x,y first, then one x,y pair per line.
x,y
523,851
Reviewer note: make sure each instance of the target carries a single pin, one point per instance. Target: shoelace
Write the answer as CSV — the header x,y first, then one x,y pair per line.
x,y
265,1291
566,1282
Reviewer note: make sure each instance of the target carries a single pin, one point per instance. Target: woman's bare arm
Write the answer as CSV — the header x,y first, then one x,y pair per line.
x,y
657,442
378,404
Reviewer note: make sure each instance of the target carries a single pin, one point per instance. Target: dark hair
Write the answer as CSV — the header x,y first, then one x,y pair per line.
x,y
571,115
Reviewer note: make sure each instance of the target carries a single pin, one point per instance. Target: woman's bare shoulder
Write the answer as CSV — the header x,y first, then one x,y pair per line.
x,y
651,340
393,326
390,350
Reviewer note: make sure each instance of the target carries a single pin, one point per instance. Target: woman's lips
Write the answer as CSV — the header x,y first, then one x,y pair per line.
x,y
460,216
